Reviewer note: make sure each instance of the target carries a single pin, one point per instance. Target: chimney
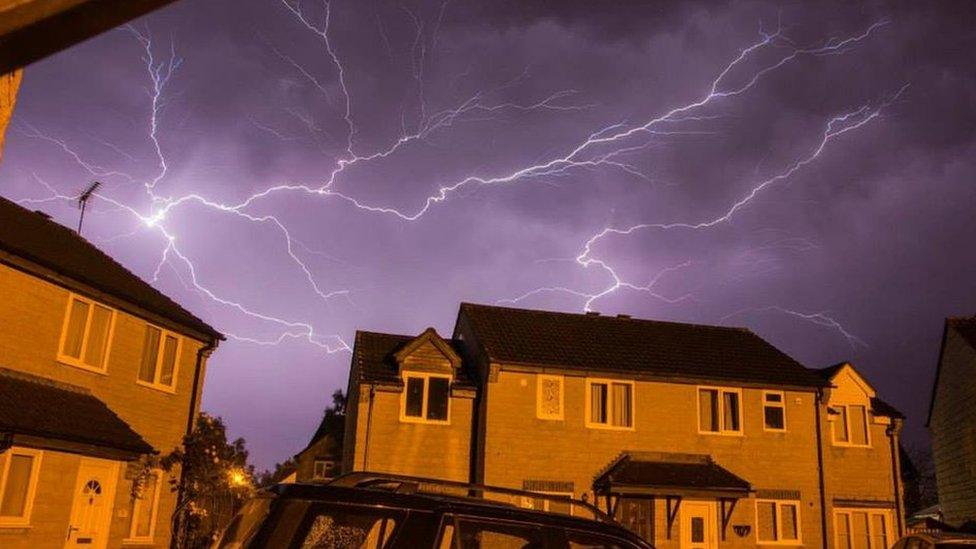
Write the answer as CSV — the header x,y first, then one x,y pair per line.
x,y
592,313
625,317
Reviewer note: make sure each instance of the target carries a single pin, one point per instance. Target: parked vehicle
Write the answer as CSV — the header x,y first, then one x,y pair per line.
x,y
943,540
378,511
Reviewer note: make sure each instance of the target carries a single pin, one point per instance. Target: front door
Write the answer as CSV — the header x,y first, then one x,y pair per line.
x,y
93,500
698,525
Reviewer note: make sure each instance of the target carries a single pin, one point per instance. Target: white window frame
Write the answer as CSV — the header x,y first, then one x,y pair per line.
x,y
157,372
779,503
870,511
80,361
722,431
831,419
423,417
325,469
23,520
154,514
781,406
609,383
539,414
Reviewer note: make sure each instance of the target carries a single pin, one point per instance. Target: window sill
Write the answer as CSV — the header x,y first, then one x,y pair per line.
x,y
14,526
421,421
601,427
768,430
160,388
848,445
82,366
722,433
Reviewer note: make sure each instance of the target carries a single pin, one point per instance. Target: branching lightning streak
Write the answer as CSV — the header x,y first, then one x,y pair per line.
x,y
820,319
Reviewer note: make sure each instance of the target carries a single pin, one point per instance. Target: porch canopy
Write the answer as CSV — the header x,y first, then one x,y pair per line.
x,y
672,477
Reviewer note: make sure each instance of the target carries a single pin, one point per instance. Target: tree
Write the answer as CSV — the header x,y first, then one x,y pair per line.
x,y
215,480
918,476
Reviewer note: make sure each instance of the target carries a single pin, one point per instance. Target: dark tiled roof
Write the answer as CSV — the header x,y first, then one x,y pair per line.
x,y
374,353
829,372
34,237
679,472
38,407
882,408
966,327
649,347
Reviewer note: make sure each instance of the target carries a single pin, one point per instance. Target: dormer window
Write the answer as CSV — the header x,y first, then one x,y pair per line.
x,y
850,425
426,398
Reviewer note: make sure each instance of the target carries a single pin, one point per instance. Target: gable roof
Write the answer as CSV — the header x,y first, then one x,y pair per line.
x,y
431,336
34,237
374,357
633,346
34,406
966,328
830,373
670,472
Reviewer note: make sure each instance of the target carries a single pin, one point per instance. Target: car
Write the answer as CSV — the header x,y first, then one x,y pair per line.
x,y
381,511
941,540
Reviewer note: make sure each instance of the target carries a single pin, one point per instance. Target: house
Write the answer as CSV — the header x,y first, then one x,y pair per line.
x,y
321,458
100,376
692,436
952,421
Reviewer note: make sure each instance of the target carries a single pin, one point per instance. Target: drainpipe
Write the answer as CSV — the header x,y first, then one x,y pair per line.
x,y
369,423
820,468
892,433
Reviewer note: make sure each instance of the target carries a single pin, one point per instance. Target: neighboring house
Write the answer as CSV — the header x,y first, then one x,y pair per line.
x,y
321,460
952,421
692,436
101,374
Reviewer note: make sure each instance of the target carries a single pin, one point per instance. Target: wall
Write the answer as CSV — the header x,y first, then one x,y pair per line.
x,y
953,428
32,314
520,447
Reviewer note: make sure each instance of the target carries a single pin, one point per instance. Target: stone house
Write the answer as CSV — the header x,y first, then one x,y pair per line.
x,y
692,436
952,422
100,374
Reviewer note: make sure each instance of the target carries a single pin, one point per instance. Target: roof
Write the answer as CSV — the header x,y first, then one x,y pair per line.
x,y
670,472
374,354
622,344
882,408
966,327
35,237
36,406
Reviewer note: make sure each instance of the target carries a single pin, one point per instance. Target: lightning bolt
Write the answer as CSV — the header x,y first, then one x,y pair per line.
x,y
820,319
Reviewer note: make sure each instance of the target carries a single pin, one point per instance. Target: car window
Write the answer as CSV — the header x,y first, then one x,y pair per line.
x,y
243,526
350,528
468,533
587,540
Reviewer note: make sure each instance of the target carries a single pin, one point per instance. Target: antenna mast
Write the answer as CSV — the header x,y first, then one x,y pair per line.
x,y
83,201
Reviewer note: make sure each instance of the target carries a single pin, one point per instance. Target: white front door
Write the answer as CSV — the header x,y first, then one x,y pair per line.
x,y
93,501
698,525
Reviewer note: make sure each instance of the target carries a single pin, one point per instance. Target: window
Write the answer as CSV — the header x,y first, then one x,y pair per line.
x,y
160,357
350,528
778,522
86,334
467,533
849,425
142,512
610,404
774,411
323,469
549,397
19,468
719,411
862,528
426,398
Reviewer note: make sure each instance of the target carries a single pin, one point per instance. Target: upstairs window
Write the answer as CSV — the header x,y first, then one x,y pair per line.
x,y
719,411
86,334
549,397
778,522
774,411
160,355
610,404
426,398
849,425
18,480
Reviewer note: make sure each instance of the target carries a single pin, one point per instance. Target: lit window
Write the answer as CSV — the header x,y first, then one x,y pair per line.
x,y
142,512
160,356
549,397
778,521
610,404
86,334
719,411
862,528
426,398
323,469
19,468
849,425
774,411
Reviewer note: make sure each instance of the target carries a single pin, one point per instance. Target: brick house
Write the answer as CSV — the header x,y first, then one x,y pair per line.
x,y
99,374
952,422
692,436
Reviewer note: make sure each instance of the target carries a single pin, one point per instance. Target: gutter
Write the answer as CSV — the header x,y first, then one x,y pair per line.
x,y
892,433
820,470
369,423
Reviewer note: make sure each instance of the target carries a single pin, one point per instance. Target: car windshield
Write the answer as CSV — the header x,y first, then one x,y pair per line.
x,y
244,524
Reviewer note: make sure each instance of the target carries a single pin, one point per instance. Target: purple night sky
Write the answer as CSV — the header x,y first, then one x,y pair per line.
x,y
419,155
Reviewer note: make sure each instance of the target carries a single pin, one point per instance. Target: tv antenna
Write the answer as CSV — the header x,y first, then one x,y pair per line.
x,y
83,201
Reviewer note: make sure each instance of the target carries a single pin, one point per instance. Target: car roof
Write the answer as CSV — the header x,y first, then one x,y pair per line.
x,y
945,537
